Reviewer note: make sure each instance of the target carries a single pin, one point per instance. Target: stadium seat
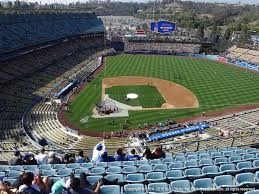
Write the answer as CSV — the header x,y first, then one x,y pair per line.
x,y
236,158
180,159
175,175
215,155
155,161
55,179
134,189
45,167
252,192
158,188
249,157
102,164
2,174
10,180
93,179
87,165
110,189
160,167
229,169
181,186
4,168
204,156
245,166
206,162
49,173
112,177
64,172
73,165
176,165
191,163
168,160
145,168
117,163
142,162
227,153
14,174
16,168
257,156
233,148
224,181
203,184
257,176
256,164
129,169
30,167
211,171
192,157
135,178
129,163
240,152
97,171
59,166
80,170
251,150
155,177
221,160
113,170
193,173
245,178
168,155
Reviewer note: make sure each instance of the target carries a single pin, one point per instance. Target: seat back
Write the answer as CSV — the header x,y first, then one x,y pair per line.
x,y
110,189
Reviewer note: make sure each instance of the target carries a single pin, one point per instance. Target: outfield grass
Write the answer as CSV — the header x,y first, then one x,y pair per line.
x,y
216,85
148,96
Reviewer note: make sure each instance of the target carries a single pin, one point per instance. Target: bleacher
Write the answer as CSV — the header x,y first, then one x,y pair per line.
x,y
183,172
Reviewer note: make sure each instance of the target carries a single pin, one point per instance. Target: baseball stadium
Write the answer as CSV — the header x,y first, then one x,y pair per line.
x,y
88,105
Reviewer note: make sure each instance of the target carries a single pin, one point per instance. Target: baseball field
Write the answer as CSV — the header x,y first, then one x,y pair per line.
x,y
216,87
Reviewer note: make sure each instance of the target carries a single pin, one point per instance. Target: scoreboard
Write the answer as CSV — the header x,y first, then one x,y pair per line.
x,y
163,27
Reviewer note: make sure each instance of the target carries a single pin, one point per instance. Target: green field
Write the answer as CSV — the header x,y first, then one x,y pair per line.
x,y
148,96
216,85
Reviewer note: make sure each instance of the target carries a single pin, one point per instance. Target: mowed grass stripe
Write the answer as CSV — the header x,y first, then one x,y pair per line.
x,y
216,85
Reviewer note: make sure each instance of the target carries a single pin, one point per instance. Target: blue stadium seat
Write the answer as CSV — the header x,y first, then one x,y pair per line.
x,y
168,155
192,157
30,167
245,178
180,159
16,168
97,171
257,176
233,148
49,173
252,192
155,161
223,149
129,169
87,165
10,180
80,170
229,168
55,179
168,160
256,155
59,166
211,171
224,181
249,157
116,163
135,178
45,167
155,177
236,158
206,162
102,164
145,168
240,152
176,165
93,179
251,150
227,153
160,167
129,163
204,156
4,168
181,186
191,163
134,189
110,189
256,164
142,162
113,170
112,177
221,160
203,184
193,173
14,174
216,155
64,172
158,188
73,166
175,175
245,166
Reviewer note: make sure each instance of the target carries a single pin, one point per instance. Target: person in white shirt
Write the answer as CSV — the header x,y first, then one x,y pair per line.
x,y
98,150
42,158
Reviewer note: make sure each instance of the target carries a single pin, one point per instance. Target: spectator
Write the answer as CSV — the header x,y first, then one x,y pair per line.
x,y
119,156
75,187
106,158
27,186
42,158
133,155
80,158
16,160
98,150
147,155
158,153
53,159
28,159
